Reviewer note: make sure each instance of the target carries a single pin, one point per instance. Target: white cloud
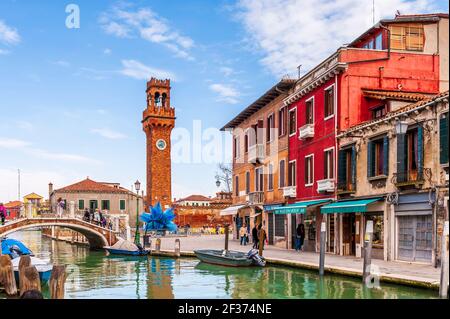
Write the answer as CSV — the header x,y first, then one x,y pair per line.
x,y
8,35
4,52
149,26
62,63
107,51
226,93
140,71
293,32
12,143
110,134
227,71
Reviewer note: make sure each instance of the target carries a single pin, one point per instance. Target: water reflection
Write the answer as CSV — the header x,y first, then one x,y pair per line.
x,y
93,274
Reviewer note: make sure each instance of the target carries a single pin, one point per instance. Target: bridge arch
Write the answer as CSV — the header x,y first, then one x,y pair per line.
x,y
97,237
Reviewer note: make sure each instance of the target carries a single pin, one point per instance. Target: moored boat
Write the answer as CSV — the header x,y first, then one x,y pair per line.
x,y
44,268
224,257
124,247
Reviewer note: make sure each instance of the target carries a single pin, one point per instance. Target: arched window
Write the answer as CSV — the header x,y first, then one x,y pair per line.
x,y
164,97
157,99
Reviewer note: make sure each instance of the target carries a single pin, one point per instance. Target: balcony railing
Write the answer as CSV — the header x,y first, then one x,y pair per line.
x,y
256,198
306,131
346,188
414,178
255,153
325,185
290,191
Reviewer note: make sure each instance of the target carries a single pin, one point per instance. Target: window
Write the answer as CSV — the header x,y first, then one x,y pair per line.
x,y
279,225
409,37
347,169
329,102
378,112
292,121
282,174
378,157
270,127
292,173
379,42
443,139
236,185
329,164
80,204
236,147
247,182
122,205
105,204
246,142
259,179
309,167
310,111
282,121
270,182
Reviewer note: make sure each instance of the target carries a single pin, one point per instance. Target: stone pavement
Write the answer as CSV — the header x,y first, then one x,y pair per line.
x,y
396,272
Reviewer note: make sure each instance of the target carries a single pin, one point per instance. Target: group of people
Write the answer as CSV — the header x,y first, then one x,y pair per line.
x,y
96,217
257,231
3,213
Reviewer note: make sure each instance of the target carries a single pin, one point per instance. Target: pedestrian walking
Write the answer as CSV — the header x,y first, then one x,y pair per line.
x,y
262,232
243,235
60,207
2,213
255,238
299,237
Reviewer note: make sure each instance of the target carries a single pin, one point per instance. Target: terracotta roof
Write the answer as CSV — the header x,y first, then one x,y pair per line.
x,y
266,98
393,114
89,185
396,95
195,198
13,204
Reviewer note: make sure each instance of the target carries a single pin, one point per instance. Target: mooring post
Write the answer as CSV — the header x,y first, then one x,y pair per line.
x,y
57,282
24,262
226,236
177,247
367,252
30,280
443,287
158,245
7,275
323,234
262,236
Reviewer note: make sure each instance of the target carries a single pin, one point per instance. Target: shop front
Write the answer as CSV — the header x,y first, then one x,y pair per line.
x,y
414,228
306,213
346,223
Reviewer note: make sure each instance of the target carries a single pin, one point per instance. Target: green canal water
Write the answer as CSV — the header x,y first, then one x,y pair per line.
x,y
95,275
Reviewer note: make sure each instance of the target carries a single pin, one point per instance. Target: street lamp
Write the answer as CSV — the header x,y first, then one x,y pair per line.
x,y
137,239
217,183
401,127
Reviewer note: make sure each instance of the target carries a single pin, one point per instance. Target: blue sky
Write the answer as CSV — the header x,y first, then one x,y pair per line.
x,y
71,100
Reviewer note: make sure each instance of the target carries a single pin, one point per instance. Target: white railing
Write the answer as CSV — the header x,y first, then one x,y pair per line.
x,y
306,131
256,198
290,191
255,153
325,185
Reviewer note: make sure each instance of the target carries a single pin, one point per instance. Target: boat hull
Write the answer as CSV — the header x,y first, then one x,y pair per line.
x,y
44,276
232,259
127,252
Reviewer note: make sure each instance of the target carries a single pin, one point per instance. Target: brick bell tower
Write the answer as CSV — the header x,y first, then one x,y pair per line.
x,y
158,122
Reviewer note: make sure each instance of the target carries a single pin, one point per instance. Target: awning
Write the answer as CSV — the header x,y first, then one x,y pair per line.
x,y
300,207
232,210
271,207
348,206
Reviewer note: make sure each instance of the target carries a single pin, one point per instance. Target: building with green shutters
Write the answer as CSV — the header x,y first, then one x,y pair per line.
x,y
395,170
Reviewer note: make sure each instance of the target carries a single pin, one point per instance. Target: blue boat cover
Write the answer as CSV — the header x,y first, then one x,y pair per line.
x,y
8,243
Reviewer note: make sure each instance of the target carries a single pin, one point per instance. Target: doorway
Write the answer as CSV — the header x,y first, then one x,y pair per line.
x,y
349,234
93,204
415,238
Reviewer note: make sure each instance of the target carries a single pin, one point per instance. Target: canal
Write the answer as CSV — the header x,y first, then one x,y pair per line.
x,y
95,275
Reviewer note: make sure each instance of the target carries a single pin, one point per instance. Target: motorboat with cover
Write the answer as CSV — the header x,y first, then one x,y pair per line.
x,y
125,247
230,257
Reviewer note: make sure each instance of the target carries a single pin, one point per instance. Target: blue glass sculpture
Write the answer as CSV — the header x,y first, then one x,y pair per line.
x,y
159,220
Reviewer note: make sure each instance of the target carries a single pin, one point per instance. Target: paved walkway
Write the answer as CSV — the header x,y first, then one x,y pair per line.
x,y
396,272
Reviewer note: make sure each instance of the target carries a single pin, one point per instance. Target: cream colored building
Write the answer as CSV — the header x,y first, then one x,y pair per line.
x,y
407,172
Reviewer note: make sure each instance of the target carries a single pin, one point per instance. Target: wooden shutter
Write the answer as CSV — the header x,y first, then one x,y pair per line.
x,y
386,155
370,157
342,167
353,165
443,139
420,151
401,157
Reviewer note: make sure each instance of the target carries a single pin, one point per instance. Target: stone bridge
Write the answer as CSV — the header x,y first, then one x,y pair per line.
x,y
97,236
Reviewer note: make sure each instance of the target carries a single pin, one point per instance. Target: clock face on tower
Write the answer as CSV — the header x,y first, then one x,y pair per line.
x,y
161,144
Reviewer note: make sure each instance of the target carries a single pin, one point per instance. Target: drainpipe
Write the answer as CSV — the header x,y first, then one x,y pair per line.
x,y
336,126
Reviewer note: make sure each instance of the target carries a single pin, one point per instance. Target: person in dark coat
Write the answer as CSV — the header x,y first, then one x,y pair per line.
x,y
299,237
262,231
255,237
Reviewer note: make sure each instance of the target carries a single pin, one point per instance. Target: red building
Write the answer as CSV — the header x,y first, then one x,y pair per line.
x,y
13,209
405,58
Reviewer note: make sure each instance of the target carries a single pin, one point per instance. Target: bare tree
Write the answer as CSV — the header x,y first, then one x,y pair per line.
x,y
224,177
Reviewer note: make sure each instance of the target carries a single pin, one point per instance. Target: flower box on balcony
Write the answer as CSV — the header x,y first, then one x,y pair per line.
x,y
306,131
290,191
325,185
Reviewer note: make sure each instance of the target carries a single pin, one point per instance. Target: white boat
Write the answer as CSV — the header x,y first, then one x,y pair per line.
x,y
43,266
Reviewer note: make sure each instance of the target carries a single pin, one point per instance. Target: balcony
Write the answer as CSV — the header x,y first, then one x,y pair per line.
x,y
306,131
256,198
346,188
325,185
255,153
414,178
290,191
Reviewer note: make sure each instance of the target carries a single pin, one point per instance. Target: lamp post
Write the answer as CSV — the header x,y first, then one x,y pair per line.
x,y
137,238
